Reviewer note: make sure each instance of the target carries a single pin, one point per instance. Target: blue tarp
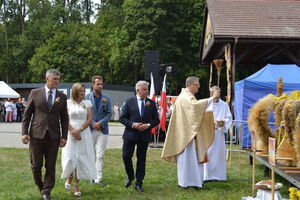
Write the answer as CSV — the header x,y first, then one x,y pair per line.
x,y
258,85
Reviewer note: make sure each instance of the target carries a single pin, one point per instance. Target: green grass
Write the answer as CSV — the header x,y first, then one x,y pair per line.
x,y
16,180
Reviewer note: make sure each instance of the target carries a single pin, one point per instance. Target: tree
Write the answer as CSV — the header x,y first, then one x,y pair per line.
x,y
75,50
172,27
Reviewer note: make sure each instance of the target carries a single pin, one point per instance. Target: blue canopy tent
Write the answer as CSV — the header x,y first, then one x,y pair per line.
x,y
248,91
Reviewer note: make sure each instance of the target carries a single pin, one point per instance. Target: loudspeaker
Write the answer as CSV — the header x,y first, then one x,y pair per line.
x,y
152,65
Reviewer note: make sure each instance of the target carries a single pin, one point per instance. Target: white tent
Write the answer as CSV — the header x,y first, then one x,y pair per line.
x,y
7,92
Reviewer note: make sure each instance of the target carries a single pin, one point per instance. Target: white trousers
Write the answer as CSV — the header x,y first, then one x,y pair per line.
x,y
100,141
8,116
189,170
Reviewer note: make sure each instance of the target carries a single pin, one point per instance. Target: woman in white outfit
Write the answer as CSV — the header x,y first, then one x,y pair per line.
x,y
116,112
78,155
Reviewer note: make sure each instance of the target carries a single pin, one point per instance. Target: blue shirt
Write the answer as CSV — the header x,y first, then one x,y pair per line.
x,y
97,101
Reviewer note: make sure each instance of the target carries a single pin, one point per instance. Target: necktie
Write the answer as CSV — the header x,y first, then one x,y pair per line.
x,y
142,107
50,99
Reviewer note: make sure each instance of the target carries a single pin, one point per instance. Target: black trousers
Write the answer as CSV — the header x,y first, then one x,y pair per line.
x,y
19,116
141,151
38,150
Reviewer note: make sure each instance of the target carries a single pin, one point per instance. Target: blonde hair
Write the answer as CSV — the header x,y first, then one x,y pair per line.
x,y
75,91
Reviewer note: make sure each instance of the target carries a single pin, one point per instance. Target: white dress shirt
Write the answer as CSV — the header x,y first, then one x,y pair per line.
x,y
47,93
140,103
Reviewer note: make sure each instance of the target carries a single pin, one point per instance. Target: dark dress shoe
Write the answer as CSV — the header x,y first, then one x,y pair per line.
x,y
127,182
139,188
100,183
46,197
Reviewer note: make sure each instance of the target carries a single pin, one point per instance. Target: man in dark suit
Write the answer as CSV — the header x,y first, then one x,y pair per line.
x,y
47,111
139,116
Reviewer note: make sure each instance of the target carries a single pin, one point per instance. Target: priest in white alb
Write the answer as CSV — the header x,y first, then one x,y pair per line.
x,y
190,133
215,169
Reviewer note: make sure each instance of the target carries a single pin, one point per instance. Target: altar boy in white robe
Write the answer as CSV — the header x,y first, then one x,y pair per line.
x,y
190,133
215,169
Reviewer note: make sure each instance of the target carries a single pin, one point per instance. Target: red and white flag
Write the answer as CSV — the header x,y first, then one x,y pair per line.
x,y
152,90
163,106
152,96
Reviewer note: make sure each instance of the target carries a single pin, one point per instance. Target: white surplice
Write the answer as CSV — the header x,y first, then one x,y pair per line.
x,y
189,170
79,154
215,169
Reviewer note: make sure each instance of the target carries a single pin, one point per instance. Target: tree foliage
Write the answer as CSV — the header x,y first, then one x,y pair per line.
x,y
81,39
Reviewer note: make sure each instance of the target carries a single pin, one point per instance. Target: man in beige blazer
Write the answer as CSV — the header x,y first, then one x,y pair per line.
x,y
47,115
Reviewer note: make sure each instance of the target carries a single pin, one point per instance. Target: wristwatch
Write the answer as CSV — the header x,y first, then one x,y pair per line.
x,y
81,128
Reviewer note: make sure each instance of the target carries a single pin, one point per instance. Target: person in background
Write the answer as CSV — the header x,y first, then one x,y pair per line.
x,y
14,110
122,108
8,110
116,110
2,112
20,109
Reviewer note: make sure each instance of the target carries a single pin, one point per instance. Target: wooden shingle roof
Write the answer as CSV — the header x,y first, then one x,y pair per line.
x,y
255,18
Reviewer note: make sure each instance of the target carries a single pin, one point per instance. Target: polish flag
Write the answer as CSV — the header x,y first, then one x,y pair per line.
x,y
163,106
152,96
152,90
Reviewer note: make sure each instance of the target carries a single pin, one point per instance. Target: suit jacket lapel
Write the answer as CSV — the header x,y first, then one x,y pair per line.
x,y
91,97
43,96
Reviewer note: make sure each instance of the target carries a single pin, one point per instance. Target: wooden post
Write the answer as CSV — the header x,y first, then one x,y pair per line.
x,y
239,153
272,161
253,171
273,182
233,72
157,139
230,146
253,147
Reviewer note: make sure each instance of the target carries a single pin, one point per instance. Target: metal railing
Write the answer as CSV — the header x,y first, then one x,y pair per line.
x,y
245,137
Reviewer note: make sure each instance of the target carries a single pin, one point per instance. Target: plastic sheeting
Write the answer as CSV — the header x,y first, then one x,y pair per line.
x,y
265,195
7,92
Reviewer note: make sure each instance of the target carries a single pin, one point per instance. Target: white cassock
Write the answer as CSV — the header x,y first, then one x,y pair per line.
x,y
189,170
215,169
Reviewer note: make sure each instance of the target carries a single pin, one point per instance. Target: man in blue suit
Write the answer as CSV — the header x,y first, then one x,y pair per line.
x,y
139,116
99,126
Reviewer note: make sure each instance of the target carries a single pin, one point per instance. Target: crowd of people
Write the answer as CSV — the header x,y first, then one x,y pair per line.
x,y
12,110
79,126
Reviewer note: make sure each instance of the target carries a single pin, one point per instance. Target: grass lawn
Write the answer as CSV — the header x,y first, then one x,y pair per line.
x,y
16,180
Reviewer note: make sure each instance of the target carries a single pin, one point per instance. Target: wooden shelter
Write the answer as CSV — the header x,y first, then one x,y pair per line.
x,y
248,33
